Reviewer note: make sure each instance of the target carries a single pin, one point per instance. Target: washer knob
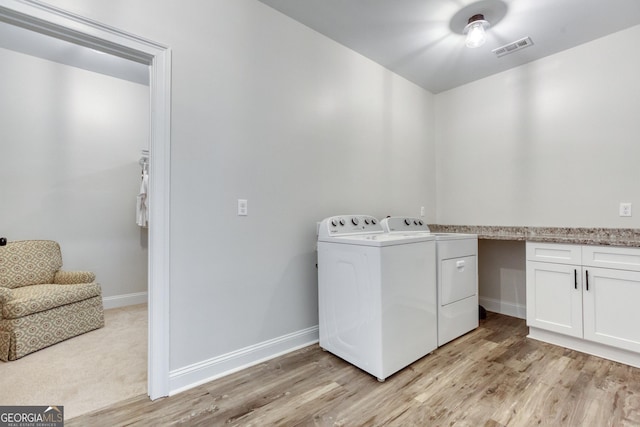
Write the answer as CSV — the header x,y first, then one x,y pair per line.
x,y
334,222
355,221
415,222
407,221
420,222
366,221
342,221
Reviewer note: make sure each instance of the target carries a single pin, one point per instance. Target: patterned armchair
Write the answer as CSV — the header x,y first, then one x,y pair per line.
x,y
41,305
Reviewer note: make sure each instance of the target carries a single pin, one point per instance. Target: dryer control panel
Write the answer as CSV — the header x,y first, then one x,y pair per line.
x,y
404,223
341,225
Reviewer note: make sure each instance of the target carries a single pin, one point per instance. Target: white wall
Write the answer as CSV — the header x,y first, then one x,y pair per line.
x,y
70,144
265,109
550,143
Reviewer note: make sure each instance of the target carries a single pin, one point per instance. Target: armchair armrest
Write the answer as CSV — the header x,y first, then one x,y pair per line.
x,y
73,277
5,295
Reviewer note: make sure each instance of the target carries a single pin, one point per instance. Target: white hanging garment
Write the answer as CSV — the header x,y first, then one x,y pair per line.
x,y
142,202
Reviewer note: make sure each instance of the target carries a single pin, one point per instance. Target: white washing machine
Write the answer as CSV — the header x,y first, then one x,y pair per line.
x,y
457,272
376,294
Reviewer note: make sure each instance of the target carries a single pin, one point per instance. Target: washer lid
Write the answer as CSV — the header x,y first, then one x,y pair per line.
x,y
402,224
380,239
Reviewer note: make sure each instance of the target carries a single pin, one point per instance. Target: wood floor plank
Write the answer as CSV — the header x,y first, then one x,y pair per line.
x,y
493,377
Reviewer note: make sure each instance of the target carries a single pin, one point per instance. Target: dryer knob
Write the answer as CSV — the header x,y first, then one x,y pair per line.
x,y
407,221
415,222
420,222
355,221
342,221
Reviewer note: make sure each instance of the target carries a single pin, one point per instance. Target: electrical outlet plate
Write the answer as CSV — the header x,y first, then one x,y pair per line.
x,y
625,209
242,207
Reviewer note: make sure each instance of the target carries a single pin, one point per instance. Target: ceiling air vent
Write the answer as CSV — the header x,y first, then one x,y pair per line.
x,y
512,47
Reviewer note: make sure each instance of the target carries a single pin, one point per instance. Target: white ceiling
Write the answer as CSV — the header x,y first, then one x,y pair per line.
x,y
422,40
53,49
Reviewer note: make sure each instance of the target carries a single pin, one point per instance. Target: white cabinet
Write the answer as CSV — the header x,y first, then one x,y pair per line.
x,y
554,287
589,293
554,297
610,307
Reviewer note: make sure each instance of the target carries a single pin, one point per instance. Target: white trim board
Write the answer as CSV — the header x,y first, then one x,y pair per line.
x,y
191,376
117,301
596,349
504,307
40,17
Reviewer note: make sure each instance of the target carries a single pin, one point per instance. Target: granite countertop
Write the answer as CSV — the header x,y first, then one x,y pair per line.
x,y
582,236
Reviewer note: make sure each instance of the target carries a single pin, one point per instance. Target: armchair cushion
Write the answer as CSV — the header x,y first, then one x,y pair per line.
x,y
73,277
33,299
29,262
5,295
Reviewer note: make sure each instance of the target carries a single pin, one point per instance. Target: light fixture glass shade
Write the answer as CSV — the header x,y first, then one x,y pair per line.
x,y
476,35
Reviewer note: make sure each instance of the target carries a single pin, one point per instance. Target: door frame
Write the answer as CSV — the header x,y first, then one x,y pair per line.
x,y
43,18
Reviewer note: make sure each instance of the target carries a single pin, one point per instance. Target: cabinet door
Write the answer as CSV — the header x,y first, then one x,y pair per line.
x,y
554,297
611,314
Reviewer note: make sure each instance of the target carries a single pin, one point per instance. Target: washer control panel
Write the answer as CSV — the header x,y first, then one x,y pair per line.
x,y
404,223
341,225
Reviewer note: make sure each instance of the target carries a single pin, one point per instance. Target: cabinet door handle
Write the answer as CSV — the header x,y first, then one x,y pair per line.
x,y
575,278
587,277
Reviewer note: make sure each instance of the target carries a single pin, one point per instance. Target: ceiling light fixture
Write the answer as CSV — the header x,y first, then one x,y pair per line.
x,y
475,31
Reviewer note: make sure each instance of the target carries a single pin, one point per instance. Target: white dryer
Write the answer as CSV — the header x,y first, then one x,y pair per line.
x,y
376,294
457,272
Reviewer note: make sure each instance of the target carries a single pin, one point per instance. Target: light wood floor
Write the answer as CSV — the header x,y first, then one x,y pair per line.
x,y
493,376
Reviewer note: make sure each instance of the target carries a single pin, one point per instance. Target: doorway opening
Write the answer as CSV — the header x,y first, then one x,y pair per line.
x,y
45,19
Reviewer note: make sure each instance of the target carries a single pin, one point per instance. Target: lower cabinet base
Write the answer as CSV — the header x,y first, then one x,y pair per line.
x,y
593,348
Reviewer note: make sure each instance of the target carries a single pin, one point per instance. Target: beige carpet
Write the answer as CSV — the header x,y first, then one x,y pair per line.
x,y
84,373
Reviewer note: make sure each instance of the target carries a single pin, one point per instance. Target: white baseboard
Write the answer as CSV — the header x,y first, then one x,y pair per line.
x,y
124,300
589,347
208,370
503,307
